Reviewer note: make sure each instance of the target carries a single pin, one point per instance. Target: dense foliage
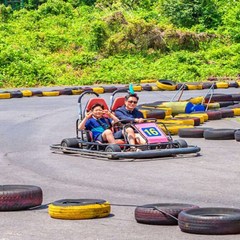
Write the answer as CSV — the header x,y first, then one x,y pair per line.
x,y
76,42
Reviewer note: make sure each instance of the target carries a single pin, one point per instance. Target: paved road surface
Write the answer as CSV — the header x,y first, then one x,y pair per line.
x,y
29,125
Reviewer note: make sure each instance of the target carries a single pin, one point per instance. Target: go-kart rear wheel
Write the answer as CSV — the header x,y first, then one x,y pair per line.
x,y
69,143
181,143
113,148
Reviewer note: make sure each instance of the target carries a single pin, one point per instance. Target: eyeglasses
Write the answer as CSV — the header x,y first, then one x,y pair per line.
x,y
135,102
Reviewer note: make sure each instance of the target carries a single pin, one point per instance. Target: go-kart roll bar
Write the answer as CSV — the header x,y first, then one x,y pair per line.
x,y
80,117
117,91
80,99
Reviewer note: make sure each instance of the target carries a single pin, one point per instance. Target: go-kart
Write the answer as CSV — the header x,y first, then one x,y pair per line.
x,y
157,143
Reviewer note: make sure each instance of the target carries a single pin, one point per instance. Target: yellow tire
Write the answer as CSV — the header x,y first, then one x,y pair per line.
x,y
50,94
196,100
5,95
148,81
192,86
205,116
173,129
164,86
155,88
144,112
98,90
137,88
222,84
77,91
236,111
76,209
171,121
26,93
214,105
191,115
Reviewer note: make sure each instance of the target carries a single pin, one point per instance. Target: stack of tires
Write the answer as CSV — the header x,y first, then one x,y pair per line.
x,y
191,218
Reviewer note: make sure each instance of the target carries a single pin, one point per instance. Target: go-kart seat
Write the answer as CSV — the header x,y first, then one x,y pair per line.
x,y
118,102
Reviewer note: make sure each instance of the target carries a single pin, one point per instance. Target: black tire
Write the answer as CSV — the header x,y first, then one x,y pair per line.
x,y
192,132
65,91
70,142
158,114
113,148
226,113
214,115
207,85
160,213
179,85
210,221
181,143
236,97
218,97
109,89
225,104
233,84
219,134
237,135
147,87
16,94
19,197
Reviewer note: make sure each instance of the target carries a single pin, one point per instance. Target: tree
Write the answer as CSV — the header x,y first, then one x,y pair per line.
x,y
187,13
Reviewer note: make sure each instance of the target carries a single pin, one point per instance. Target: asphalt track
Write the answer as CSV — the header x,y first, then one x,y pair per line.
x,y
29,125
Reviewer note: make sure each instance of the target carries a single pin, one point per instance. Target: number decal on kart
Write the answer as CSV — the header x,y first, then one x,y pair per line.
x,y
151,132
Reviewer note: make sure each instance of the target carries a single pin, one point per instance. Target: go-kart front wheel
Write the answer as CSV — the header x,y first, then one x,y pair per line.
x,y
70,142
181,143
113,148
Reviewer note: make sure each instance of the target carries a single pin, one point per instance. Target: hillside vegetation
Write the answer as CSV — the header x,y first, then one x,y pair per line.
x,y
79,42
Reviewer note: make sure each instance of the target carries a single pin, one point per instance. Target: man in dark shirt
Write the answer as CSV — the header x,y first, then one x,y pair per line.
x,y
129,112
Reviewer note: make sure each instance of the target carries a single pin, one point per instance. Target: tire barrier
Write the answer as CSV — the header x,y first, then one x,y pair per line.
x,y
19,197
237,135
160,213
192,132
219,134
160,85
217,221
76,209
